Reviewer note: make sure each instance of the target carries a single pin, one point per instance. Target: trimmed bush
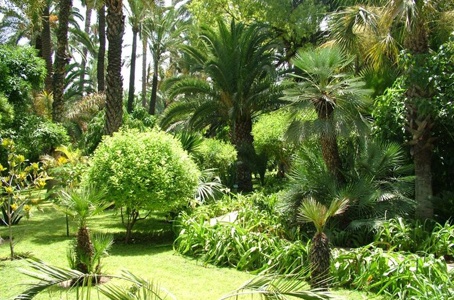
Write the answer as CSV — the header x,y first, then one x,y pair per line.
x,y
143,171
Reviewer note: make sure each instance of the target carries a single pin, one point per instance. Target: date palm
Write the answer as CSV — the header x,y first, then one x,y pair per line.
x,y
238,60
163,28
314,212
114,88
62,59
383,30
322,83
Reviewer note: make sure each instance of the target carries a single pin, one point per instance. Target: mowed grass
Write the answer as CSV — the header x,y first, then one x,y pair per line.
x,y
150,256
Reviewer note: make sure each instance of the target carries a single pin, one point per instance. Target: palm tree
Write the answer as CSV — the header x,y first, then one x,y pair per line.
x,y
323,84
62,59
82,204
239,62
320,254
384,30
100,68
114,91
164,29
138,10
88,11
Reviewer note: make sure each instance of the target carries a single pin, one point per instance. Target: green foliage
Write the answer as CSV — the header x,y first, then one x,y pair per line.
x,y
270,140
20,188
234,232
377,185
217,155
22,71
413,236
143,171
6,111
401,276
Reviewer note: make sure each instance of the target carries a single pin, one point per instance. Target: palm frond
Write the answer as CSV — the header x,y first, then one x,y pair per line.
x,y
48,276
292,286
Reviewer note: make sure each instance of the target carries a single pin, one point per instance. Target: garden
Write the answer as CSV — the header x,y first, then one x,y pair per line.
x,y
277,150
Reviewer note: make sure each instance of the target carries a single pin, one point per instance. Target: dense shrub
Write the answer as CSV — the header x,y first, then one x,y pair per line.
x,y
143,171
35,136
216,154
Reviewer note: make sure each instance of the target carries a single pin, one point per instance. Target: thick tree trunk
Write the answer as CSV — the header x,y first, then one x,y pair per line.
x,y
62,58
144,71
243,141
114,92
154,90
102,49
85,49
47,49
132,74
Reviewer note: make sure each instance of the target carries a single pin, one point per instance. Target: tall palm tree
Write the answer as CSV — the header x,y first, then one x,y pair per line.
x,y
87,24
320,254
239,62
62,58
114,91
100,68
384,30
164,29
323,84
138,10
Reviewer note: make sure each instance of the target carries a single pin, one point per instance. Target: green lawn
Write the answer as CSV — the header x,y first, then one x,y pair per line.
x,y
44,237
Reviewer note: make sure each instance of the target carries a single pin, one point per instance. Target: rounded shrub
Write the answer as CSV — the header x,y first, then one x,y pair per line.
x,y
143,171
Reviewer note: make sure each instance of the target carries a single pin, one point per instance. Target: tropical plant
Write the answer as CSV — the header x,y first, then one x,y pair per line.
x,y
147,171
164,28
378,184
50,276
82,203
239,60
382,32
20,188
323,84
318,214
138,10
62,59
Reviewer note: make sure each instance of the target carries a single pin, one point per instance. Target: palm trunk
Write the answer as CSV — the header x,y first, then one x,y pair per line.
x,y
114,92
47,49
61,60
419,124
243,141
85,49
320,256
154,89
84,251
328,140
102,49
132,74
144,71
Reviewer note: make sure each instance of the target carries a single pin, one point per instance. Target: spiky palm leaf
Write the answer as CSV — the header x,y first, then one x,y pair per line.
x,y
279,287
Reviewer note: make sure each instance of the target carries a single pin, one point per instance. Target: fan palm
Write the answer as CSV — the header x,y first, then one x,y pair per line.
x,y
320,254
383,31
235,84
322,84
82,204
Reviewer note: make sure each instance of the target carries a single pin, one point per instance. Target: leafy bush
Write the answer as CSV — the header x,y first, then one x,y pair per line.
x,y
215,154
255,241
143,171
